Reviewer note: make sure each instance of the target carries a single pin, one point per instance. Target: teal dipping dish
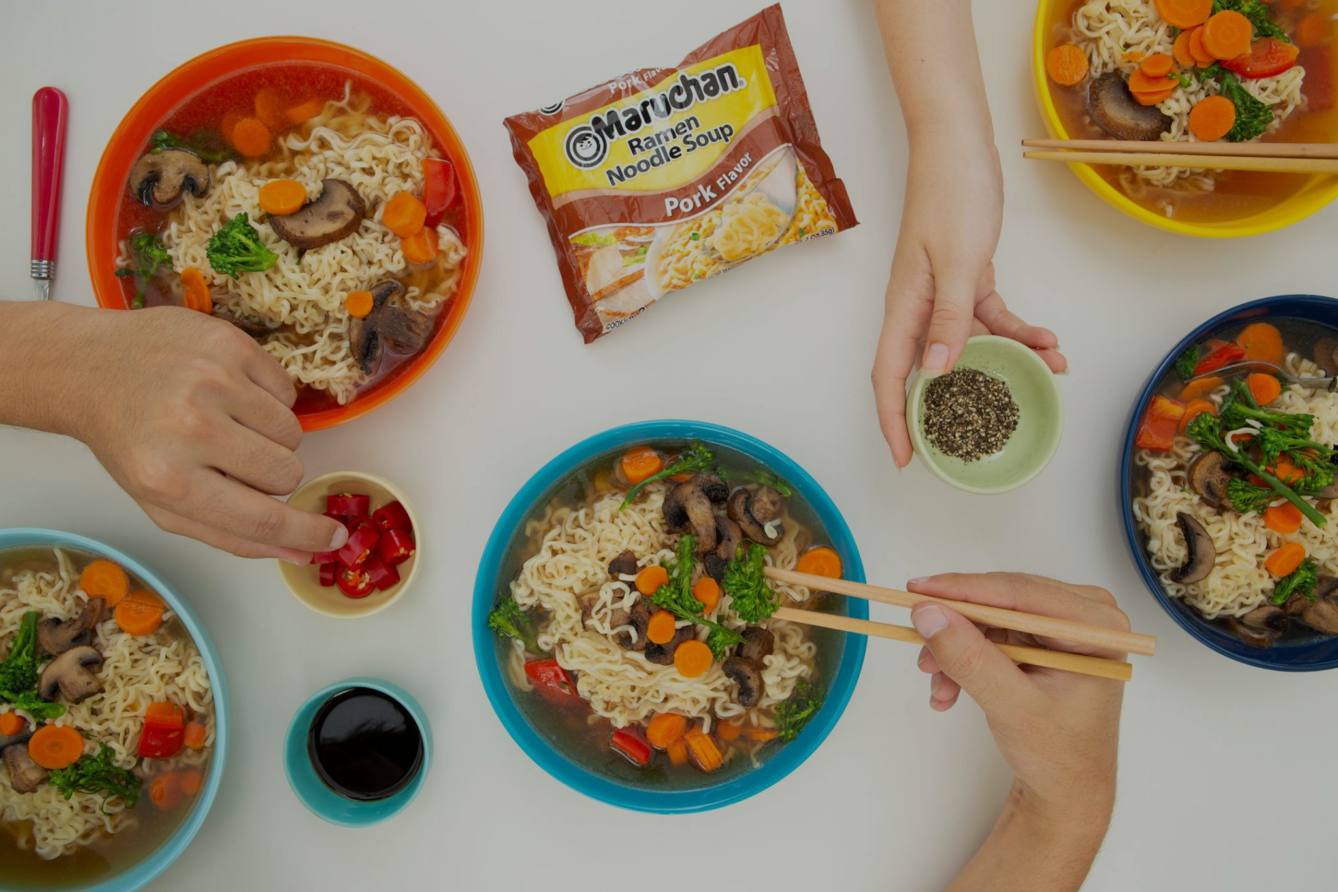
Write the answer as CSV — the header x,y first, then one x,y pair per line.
x,y
313,792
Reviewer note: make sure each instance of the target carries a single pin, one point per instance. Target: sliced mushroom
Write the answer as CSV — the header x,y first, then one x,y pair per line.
x,y
1266,617
1325,354
1252,637
160,179
744,673
1201,554
254,329
1209,477
56,637
727,539
69,675
624,564
336,214
25,775
1115,110
766,533
758,643
640,619
767,504
663,654
1320,614
8,740
714,488
687,508
387,323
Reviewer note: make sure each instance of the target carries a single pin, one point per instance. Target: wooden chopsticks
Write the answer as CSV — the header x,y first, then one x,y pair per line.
x,y
1276,156
1046,626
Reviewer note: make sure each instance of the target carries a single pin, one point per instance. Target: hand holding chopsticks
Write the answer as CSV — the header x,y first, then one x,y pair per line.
x,y
1086,635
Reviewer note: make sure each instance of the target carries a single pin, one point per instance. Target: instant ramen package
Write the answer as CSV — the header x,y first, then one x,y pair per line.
x,y
667,176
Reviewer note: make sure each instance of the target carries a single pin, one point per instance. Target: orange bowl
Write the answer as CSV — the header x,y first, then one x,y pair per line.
x,y
189,78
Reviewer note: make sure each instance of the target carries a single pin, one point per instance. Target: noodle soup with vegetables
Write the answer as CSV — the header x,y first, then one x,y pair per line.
x,y
107,725
633,622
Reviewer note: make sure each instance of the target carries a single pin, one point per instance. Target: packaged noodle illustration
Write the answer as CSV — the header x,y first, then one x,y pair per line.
x,y
668,176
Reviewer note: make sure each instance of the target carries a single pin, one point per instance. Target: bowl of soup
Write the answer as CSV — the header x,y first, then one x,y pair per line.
x,y
1229,501
625,629
1122,72
309,195
114,727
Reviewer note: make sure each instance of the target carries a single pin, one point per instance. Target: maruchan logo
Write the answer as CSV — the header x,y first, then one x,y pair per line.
x,y
586,148
553,109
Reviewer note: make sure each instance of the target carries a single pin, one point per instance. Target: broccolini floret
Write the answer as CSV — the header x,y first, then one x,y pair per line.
x,y
236,248
509,621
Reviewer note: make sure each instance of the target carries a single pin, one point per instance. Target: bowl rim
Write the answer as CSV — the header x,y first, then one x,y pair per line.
x,y
153,864
1311,198
302,777
123,147
736,789
1184,616
397,590
1052,387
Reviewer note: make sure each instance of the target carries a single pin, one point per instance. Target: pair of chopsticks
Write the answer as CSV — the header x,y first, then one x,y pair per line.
x,y
1281,157
1047,626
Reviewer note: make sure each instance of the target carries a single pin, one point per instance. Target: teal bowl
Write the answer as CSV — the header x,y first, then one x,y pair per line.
x,y
312,792
145,871
1040,419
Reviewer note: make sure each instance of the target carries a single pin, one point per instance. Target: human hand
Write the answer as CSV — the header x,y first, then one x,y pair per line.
x,y
1058,730
194,420
941,289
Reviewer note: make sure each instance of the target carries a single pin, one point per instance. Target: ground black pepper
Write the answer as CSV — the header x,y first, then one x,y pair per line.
x,y
969,414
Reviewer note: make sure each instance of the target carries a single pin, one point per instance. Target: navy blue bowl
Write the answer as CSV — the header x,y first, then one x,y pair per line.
x,y
579,777
1302,654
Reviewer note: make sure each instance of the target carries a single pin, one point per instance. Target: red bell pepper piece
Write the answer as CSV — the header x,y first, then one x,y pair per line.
x,y
382,576
329,572
392,517
1268,57
354,582
438,189
552,681
630,743
361,542
348,504
164,731
1223,355
395,547
1160,422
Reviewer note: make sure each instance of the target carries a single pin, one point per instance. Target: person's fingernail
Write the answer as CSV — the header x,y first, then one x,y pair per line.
x,y
339,538
919,580
295,562
920,660
929,620
935,361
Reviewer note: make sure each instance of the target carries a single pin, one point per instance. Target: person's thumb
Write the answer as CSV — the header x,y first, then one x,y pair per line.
x,y
950,323
966,656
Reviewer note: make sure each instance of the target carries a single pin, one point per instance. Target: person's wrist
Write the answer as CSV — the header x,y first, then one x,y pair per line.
x,y
1077,815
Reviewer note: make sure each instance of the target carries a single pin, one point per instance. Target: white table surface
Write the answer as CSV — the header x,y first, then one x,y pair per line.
x,y
1219,783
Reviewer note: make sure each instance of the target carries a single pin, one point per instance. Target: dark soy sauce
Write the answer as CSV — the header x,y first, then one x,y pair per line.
x,y
365,745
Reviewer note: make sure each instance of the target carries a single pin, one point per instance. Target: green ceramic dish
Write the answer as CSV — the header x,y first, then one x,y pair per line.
x,y
1040,422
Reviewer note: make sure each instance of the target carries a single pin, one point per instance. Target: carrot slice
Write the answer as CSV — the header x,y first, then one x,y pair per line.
x,y
421,248
282,197
304,111
190,780
665,730
1199,387
692,659
649,580
1157,65
1066,65
1262,343
707,590
165,790
678,753
1194,409
728,731
1263,387
106,580
1228,34
820,561
1140,82
1282,562
1310,31
1185,13
661,628
230,119
359,304
641,462
1285,518
1156,98
195,292
1197,49
762,734
272,109
702,749
56,746
1212,118
404,214
140,613
11,723
1181,50
195,735
251,137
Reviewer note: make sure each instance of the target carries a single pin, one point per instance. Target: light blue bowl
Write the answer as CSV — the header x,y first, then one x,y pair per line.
x,y
577,776
312,792
144,872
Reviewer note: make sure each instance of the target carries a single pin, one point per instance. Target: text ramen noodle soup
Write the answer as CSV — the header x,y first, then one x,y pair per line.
x,y
107,719
668,176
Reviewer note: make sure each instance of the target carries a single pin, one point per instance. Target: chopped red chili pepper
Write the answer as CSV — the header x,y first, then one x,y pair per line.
x,y
1223,355
392,517
328,573
348,504
629,743
382,576
354,583
324,557
359,546
438,189
395,547
359,521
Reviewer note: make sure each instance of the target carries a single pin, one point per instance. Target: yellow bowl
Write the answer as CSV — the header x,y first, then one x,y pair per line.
x,y
304,582
1313,196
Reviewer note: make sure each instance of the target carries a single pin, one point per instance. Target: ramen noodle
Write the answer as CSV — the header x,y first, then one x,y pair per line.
x,y
667,176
